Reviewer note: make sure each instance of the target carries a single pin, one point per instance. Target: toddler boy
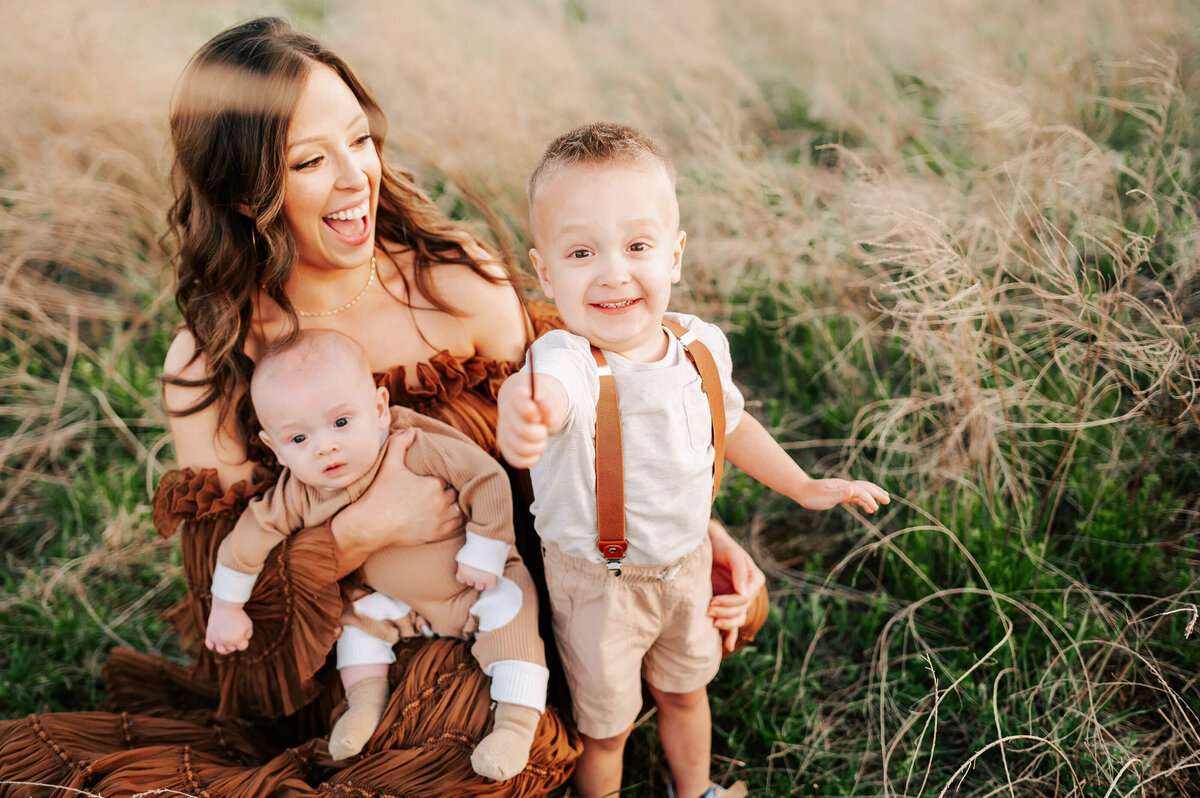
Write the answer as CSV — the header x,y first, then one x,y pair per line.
x,y
607,248
329,425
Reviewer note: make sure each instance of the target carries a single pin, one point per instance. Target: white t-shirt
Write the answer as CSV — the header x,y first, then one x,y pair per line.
x,y
666,433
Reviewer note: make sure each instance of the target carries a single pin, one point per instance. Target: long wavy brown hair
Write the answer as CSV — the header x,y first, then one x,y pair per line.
x,y
229,125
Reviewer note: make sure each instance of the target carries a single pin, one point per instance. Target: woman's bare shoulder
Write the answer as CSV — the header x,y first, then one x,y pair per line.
x,y
492,312
202,438
182,360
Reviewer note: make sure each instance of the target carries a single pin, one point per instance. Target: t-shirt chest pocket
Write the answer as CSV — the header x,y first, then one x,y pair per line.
x,y
699,417
668,408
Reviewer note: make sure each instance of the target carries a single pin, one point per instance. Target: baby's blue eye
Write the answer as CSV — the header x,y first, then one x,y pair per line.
x,y
299,438
341,422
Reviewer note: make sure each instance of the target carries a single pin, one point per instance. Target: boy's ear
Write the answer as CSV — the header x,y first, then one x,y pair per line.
x,y
381,407
677,257
543,273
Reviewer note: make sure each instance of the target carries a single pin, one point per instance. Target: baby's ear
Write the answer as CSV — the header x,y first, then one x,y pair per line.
x,y
266,439
381,407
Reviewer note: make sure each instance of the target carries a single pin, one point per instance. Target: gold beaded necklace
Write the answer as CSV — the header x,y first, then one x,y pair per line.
x,y
348,305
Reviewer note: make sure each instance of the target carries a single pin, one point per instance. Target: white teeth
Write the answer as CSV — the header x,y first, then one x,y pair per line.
x,y
356,212
626,303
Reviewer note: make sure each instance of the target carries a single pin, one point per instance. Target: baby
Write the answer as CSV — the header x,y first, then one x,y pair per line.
x,y
607,249
329,425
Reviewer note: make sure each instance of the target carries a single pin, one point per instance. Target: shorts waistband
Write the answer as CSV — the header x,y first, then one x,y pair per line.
x,y
629,573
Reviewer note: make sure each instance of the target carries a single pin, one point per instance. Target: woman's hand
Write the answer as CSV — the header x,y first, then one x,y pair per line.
x,y
400,508
736,581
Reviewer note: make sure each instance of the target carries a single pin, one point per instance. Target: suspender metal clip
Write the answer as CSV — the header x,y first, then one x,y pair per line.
x,y
613,554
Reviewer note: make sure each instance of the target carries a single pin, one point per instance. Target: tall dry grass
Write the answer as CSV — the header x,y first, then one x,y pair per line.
x,y
961,237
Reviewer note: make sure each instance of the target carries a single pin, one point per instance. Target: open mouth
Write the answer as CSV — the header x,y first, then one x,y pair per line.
x,y
336,468
351,223
615,305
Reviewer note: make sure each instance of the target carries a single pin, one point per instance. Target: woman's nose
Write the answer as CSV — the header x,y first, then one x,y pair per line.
x,y
350,173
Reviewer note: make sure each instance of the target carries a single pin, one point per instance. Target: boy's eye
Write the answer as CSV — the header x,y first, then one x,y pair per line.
x,y
341,422
579,253
638,247
299,438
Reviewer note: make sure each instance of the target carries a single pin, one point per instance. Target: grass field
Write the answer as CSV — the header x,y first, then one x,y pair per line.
x,y
957,251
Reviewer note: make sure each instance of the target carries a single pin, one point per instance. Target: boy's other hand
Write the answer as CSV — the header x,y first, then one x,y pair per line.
x,y
521,431
229,627
736,581
823,494
474,577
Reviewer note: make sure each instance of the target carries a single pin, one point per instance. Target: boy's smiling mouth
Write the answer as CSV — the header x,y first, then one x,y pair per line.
x,y
625,303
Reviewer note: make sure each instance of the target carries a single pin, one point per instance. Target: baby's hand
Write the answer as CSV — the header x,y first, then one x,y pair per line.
x,y
521,431
822,494
473,577
229,627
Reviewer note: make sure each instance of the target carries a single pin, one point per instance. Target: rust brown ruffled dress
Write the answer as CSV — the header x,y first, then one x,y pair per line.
x,y
253,723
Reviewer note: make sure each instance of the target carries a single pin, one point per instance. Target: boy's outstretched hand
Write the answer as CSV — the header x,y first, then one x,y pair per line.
x,y
524,424
824,494
229,627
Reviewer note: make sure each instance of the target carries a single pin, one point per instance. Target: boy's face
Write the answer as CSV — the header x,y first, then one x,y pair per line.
x,y
323,424
608,250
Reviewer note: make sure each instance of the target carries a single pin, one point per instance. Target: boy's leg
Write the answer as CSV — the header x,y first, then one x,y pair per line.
x,y
598,769
685,728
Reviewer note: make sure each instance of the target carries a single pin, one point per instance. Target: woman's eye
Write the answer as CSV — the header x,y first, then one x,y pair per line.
x,y
341,422
299,438
311,162
363,139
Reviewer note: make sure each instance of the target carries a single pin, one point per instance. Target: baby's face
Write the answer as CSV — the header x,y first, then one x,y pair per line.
x,y
325,426
608,250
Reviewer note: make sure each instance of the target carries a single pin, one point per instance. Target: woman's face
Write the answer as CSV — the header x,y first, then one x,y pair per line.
x,y
332,176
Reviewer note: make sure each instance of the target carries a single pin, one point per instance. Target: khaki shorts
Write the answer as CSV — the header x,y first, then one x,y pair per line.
x,y
648,622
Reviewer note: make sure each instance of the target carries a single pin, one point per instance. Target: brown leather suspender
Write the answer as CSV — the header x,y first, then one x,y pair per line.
x,y
610,460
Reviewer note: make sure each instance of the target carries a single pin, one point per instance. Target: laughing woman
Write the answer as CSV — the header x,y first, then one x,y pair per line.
x,y
288,218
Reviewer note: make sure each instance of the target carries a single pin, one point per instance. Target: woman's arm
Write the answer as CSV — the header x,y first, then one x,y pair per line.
x,y
400,508
201,440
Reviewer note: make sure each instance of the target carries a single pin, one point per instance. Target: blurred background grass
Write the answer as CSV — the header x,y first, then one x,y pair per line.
x,y
955,246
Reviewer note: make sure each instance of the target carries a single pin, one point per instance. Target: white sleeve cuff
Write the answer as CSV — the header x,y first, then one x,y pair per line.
x,y
483,553
232,586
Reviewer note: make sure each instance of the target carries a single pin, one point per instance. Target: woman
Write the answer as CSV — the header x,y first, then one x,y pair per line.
x,y
287,217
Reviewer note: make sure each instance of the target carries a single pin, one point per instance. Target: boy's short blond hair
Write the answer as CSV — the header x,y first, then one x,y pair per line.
x,y
597,143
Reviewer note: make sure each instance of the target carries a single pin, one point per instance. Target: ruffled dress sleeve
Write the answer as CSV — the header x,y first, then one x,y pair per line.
x,y
295,605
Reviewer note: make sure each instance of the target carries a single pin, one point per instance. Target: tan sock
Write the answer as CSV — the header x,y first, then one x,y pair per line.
x,y
367,700
504,753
